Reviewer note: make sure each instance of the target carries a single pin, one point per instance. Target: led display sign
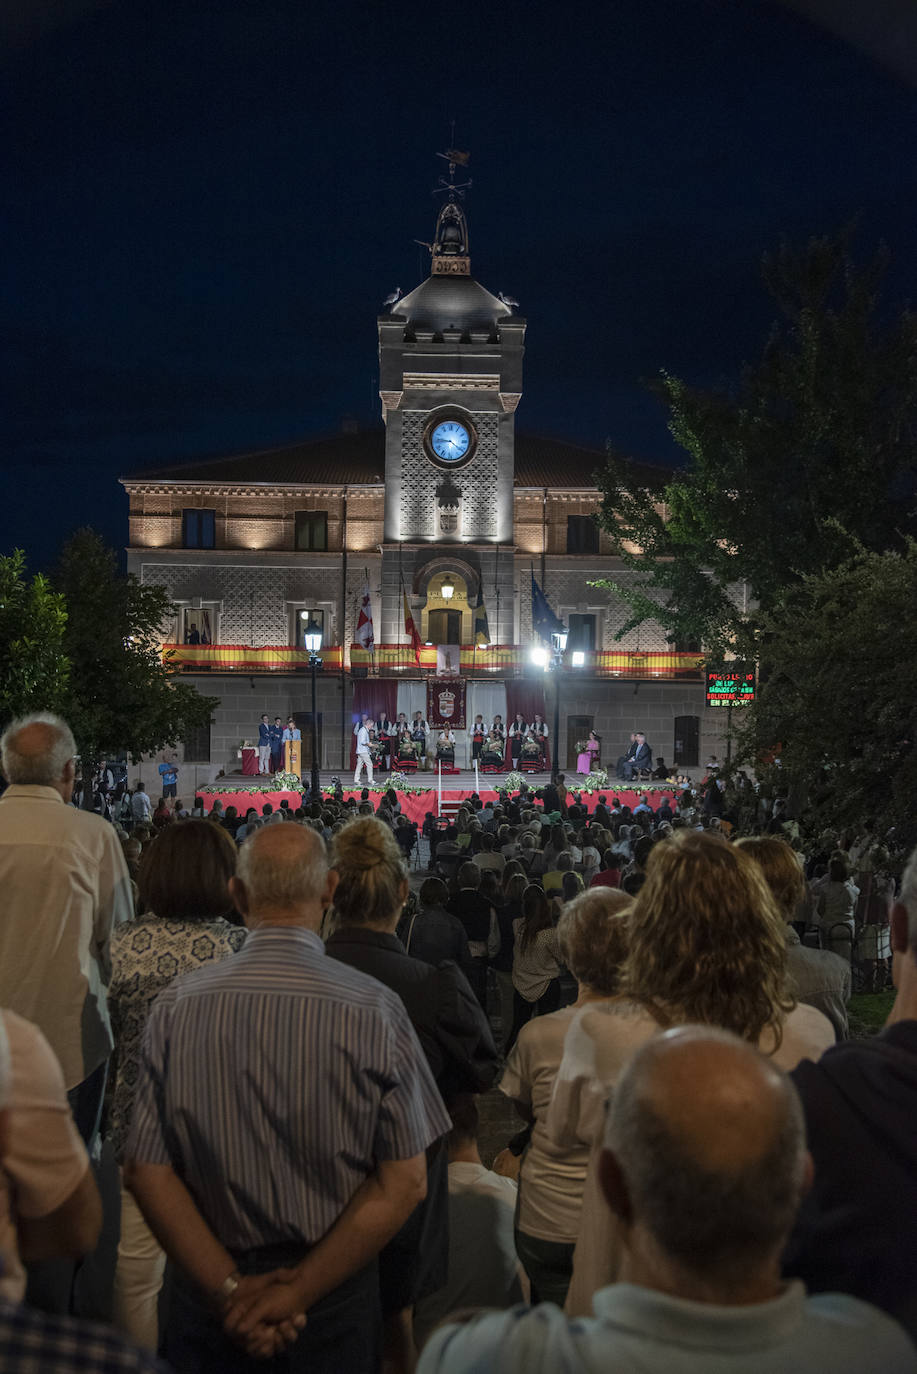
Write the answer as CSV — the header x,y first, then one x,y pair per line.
x,y
732,684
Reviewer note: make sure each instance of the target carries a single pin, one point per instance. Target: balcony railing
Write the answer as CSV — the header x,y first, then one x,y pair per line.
x,y
501,660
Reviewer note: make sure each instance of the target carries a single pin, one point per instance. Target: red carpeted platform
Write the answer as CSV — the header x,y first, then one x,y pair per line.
x,y
413,805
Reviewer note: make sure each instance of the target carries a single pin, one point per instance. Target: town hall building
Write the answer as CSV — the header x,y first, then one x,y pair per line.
x,y
445,513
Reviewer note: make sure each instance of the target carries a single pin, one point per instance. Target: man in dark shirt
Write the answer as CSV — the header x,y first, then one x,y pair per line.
x,y
480,924
855,1230
433,933
457,1041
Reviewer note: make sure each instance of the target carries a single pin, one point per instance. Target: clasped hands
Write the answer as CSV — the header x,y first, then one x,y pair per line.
x,y
266,1313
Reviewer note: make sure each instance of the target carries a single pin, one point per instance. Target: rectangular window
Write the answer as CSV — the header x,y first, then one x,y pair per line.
x,y
311,531
199,625
582,534
300,617
198,529
581,633
197,745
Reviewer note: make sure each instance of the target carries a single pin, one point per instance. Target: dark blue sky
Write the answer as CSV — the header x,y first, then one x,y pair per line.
x,y
205,204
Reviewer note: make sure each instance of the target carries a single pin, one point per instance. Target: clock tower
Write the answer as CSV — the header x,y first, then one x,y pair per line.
x,y
450,369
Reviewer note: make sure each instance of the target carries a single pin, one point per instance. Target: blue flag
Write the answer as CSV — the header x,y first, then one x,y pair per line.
x,y
544,622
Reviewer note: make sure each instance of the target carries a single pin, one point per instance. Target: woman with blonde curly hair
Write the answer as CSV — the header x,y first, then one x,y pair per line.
x,y
453,1032
706,945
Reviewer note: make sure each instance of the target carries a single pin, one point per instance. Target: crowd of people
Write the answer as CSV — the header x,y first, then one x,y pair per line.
x,y
281,1033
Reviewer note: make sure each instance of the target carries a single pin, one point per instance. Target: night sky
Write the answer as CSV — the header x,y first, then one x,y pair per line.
x,y
205,204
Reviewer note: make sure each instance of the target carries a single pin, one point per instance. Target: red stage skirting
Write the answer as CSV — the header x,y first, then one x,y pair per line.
x,y
414,806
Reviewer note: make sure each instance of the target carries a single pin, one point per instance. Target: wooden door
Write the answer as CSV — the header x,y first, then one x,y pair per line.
x,y
686,742
445,627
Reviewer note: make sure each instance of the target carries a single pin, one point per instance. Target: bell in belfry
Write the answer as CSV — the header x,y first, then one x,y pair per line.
x,y
451,239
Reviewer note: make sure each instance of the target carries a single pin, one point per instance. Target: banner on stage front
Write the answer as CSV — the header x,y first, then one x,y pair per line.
x,y
446,702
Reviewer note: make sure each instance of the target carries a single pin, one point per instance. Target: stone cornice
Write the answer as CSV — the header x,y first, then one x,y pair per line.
x,y
254,489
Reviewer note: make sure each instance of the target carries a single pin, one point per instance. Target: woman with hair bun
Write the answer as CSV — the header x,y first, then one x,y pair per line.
x,y
592,935
453,1032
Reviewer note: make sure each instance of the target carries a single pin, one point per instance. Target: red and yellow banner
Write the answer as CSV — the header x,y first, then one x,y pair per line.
x,y
242,658
507,660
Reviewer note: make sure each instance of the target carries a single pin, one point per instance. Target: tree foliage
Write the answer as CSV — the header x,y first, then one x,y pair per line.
x,y
838,663
808,458
33,664
122,696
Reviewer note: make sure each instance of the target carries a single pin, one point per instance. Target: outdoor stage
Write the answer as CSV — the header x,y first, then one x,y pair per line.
x,y
244,792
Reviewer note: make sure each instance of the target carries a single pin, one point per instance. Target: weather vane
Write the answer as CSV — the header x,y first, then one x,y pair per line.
x,y
455,158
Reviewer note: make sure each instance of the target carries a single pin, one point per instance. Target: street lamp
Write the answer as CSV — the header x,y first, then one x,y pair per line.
x,y
447,589
558,645
312,638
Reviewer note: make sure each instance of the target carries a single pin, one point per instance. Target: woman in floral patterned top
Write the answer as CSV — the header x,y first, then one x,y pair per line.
x,y
184,875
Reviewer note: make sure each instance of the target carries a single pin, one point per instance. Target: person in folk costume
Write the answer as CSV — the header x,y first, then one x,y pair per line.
x,y
478,736
517,733
445,745
532,747
385,733
540,731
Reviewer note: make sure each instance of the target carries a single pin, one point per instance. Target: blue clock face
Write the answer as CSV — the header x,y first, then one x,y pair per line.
x,y
450,441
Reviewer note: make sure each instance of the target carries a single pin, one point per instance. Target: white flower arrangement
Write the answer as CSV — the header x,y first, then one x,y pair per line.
x,y
287,782
513,782
595,781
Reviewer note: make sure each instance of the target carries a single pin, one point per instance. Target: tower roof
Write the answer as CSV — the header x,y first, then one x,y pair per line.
x,y
451,302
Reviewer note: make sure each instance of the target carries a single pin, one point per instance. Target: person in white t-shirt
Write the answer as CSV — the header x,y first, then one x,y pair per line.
x,y
483,1268
593,941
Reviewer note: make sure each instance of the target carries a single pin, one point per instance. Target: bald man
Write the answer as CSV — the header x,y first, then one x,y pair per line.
x,y
64,885
704,1165
282,1116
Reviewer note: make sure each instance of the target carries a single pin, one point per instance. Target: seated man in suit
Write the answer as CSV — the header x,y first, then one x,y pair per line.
x,y
641,761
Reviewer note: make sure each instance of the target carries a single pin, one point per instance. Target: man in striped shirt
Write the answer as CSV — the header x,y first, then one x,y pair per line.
x,y
282,1114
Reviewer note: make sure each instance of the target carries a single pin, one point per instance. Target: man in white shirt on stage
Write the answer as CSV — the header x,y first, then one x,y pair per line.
x,y
364,757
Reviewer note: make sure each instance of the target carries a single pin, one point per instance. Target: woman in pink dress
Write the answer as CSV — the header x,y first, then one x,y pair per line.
x,y
586,761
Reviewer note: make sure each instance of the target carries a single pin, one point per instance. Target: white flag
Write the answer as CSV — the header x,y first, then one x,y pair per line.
x,y
364,631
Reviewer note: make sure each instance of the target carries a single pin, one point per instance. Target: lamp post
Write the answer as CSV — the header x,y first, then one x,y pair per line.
x,y
312,638
558,645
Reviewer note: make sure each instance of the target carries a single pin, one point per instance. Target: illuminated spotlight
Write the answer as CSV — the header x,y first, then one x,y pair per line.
x,y
539,657
579,658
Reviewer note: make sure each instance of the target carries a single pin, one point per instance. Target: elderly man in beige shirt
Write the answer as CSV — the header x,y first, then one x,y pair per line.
x,y
65,885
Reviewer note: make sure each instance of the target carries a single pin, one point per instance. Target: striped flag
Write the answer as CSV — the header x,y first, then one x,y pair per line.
x,y
480,629
410,628
364,631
